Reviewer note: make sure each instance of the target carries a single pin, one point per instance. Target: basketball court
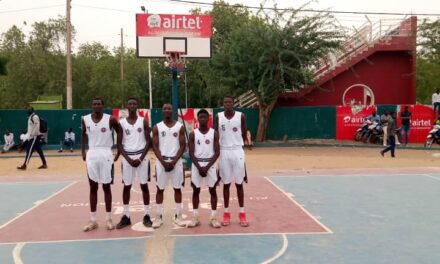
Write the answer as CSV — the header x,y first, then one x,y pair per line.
x,y
297,215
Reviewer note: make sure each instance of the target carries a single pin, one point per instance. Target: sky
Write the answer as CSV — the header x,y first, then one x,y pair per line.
x,y
102,20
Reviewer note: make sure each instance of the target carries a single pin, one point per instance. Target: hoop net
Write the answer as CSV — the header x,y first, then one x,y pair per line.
x,y
175,60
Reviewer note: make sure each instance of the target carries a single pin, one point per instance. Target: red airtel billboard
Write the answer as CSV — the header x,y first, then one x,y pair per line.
x,y
169,24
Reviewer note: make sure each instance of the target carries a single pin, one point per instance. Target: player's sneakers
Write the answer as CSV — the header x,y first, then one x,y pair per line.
x,y
194,222
125,221
178,220
90,226
147,221
243,220
214,222
226,219
157,222
109,224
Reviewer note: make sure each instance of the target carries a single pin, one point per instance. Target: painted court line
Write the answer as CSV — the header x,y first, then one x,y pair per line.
x,y
34,182
177,235
280,252
348,175
16,253
300,206
432,177
36,205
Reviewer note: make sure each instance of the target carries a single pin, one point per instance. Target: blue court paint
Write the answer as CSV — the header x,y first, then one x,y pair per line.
x,y
17,198
6,254
376,219
226,249
110,251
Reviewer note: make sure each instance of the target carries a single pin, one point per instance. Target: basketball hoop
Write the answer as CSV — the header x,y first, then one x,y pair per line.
x,y
175,61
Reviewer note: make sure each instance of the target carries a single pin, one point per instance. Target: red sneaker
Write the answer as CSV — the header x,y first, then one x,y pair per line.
x,y
243,220
226,219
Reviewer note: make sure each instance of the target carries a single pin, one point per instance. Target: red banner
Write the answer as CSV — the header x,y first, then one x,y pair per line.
x,y
197,26
348,120
422,121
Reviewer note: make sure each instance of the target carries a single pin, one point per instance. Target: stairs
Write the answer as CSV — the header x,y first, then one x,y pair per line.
x,y
368,39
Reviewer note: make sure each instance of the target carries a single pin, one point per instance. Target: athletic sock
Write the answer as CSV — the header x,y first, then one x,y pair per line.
x,y
241,209
178,208
108,216
126,211
93,216
196,212
213,213
146,209
226,209
158,210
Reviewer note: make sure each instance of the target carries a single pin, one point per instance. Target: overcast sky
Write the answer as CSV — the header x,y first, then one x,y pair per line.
x,y
101,20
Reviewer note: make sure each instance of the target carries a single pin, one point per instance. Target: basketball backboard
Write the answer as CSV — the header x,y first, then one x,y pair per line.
x,y
159,34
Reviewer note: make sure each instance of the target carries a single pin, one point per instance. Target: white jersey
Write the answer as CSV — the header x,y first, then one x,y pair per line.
x,y
169,139
230,131
99,134
133,139
204,144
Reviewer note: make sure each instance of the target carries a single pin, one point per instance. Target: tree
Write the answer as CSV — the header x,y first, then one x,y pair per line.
x,y
428,60
275,51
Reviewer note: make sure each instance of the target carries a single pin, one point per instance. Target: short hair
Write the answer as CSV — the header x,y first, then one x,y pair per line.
x,y
133,98
229,96
98,99
202,111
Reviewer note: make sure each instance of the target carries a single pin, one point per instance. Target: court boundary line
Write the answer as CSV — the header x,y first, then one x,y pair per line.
x,y
36,205
348,175
300,206
35,182
174,235
431,176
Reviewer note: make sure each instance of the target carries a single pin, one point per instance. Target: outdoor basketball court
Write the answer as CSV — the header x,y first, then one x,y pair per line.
x,y
335,216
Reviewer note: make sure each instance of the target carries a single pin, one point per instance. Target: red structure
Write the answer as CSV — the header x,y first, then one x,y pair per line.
x,y
376,66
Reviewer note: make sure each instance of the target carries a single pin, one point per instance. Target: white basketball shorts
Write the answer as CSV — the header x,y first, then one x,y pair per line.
x,y
164,177
232,165
211,177
99,164
129,172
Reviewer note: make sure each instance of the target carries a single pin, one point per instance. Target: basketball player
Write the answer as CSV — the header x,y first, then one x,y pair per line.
x,y
204,150
134,148
231,126
168,146
97,130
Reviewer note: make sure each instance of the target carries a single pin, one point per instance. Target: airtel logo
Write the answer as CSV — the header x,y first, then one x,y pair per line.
x,y
353,120
183,22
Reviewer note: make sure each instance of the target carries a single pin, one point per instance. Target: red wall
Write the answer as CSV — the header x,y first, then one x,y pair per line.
x,y
390,74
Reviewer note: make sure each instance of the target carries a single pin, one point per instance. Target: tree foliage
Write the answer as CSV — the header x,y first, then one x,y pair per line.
x,y
428,60
274,51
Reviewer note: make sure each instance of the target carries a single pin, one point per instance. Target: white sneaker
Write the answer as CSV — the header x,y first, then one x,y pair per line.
x,y
109,224
90,226
214,222
157,222
194,222
178,220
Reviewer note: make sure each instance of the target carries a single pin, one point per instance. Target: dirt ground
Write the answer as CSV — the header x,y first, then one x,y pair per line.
x,y
257,160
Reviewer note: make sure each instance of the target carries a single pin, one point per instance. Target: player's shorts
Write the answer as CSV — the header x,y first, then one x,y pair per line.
x,y
99,162
164,177
211,177
232,165
129,172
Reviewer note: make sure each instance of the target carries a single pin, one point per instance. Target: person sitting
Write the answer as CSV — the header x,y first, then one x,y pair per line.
x,y
23,141
69,140
9,141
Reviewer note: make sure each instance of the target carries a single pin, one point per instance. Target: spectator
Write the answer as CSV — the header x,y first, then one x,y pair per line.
x,y
384,120
9,141
69,140
391,135
23,141
405,117
436,100
374,117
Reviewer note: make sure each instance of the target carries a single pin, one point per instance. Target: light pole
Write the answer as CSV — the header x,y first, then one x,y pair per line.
x,y
149,71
